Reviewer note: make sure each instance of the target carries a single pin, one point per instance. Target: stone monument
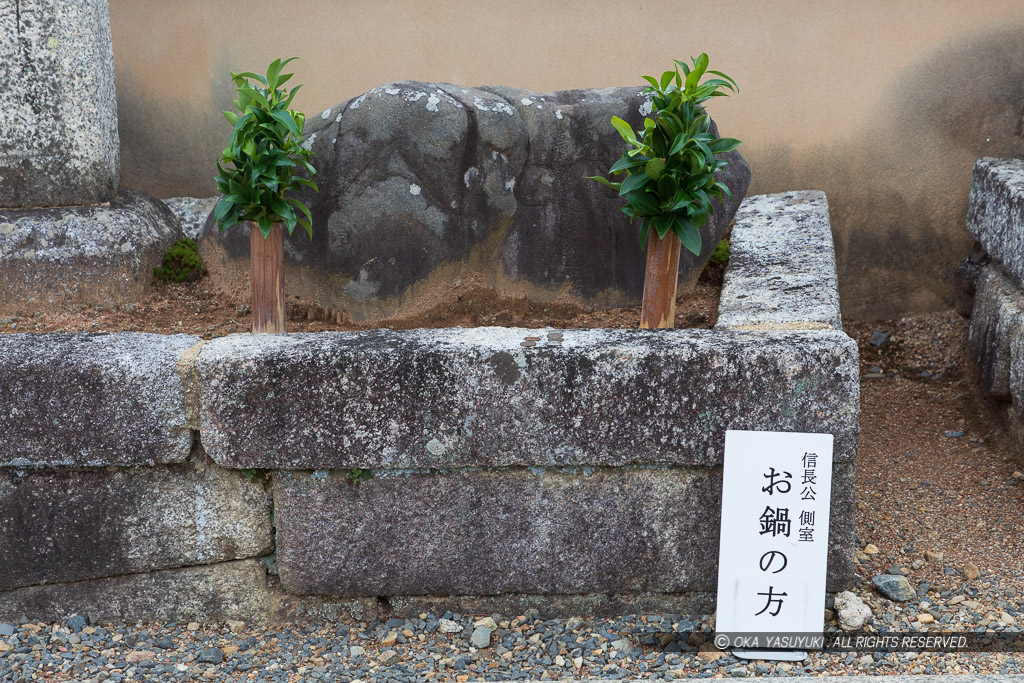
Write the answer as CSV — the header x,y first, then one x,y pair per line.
x,y
68,235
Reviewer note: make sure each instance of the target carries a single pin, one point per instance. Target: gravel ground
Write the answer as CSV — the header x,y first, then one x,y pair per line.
x,y
938,502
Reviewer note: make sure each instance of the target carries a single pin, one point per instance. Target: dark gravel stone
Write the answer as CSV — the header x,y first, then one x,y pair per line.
x,y
211,655
894,587
880,339
77,623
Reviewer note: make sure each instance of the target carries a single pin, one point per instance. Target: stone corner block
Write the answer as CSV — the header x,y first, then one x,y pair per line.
x,y
995,212
229,590
88,399
65,525
782,265
67,258
477,398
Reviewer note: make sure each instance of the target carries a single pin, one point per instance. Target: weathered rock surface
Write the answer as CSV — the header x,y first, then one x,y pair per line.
x,y
192,213
853,613
56,258
966,278
995,213
58,112
523,531
782,265
997,324
895,587
230,590
82,399
427,188
58,526
475,397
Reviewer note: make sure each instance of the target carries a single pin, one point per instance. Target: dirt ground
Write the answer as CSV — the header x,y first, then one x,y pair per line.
x,y
192,308
936,462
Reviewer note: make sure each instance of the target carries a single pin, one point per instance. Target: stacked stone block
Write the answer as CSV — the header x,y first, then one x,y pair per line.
x,y
101,477
579,473
995,219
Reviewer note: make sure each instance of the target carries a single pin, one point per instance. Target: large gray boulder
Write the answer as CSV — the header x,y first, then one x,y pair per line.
x,y
58,112
427,189
66,258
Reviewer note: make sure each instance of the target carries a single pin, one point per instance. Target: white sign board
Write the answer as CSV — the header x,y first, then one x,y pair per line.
x,y
776,495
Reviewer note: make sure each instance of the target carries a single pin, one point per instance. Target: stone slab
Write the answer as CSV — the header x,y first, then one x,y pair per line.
x,y
192,213
58,526
515,531
86,399
996,322
230,590
782,265
58,111
995,213
476,397
67,258
429,190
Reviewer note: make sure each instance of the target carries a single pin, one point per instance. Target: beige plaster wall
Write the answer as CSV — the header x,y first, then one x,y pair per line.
x,y
883,105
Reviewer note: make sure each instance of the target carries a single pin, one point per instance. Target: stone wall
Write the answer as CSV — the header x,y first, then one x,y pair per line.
x,y
995,219
582,474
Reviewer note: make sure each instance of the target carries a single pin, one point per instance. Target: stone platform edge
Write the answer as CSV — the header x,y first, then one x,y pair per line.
x,y
170,410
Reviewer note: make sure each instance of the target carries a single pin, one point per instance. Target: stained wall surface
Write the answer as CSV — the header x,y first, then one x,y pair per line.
x,y
884,106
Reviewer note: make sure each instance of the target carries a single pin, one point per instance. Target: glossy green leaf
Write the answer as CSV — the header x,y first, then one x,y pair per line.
x,y
633,182
603,181
666,78
627,162
624,129
643,203
655,168
286,119
689,235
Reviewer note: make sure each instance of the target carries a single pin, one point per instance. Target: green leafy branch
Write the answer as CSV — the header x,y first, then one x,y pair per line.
x,y
264,158
670,168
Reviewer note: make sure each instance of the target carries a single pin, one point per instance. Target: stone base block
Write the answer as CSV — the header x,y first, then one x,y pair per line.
x,y
71,525
61,258
515,531
232,590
